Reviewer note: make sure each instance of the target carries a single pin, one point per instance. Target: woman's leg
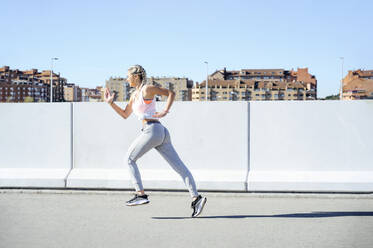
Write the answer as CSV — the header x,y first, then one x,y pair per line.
x,y
168,152
149,138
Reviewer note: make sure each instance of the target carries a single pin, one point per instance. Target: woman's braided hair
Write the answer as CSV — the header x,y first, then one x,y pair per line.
x,y
138,70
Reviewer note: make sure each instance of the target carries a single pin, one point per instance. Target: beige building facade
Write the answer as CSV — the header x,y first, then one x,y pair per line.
x,y
120,87
181,86
254,85
72,93
96,95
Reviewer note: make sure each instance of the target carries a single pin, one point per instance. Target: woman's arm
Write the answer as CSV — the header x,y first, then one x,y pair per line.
x,y
151,91
124,113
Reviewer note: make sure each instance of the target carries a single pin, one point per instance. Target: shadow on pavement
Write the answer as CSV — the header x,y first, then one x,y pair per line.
x,y
295,215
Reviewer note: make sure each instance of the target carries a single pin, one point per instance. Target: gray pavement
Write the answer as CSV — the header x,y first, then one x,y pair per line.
x,y
72,218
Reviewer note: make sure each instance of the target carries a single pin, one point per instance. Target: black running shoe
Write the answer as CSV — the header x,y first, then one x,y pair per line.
x,y
138,200
197,205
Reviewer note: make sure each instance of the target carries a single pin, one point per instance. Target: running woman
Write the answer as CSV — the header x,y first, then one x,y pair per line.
x,y
153,135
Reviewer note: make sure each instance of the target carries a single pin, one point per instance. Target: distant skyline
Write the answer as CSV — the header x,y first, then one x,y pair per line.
x,y
95,40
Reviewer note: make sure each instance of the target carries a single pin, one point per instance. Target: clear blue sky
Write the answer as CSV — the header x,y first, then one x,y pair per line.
x,y
98,39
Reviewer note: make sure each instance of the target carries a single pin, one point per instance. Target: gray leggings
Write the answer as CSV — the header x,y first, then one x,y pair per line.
x,y
155,135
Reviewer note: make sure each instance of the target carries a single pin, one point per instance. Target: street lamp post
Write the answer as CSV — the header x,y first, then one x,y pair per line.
x,y
51,93
341,90
207,78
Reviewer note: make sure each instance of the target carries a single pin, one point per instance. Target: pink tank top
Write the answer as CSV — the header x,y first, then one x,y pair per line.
x,y
143,109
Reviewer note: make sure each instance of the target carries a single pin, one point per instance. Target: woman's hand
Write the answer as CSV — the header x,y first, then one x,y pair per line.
x,y
109,98
160,114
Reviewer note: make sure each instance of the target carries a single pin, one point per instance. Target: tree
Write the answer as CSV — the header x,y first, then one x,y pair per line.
x,y
332,97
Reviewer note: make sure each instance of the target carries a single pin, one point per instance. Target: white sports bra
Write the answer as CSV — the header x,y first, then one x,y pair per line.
x,y
144,109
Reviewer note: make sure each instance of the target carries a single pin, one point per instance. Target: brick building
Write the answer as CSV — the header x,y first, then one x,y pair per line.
x,y
17,85
358,84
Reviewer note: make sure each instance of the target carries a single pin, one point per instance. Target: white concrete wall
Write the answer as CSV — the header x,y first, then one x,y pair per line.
x,y
35,144
211,139
294,146
311,146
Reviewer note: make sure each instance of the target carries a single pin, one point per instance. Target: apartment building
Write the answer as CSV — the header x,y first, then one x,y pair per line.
x,y
358,84
93,95
181,86
72,93
21,90
120,87
58,82
17,85
253,85
85,94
